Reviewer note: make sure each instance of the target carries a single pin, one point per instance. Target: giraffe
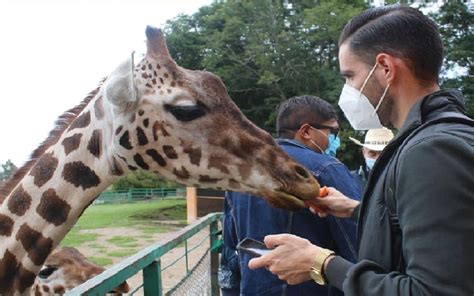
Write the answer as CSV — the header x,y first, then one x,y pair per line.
x,y
66,268
156,116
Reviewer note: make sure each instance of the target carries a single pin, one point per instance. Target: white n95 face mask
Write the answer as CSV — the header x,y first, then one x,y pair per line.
x,y
357,107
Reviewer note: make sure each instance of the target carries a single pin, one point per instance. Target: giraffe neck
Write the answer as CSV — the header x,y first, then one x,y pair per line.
x,y
49,199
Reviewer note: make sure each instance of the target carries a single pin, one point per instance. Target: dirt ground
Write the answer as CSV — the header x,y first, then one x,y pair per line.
x,y
172,275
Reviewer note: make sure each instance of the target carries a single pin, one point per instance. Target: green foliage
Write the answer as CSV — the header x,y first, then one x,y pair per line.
x,y
123,241
141,179
267,51
8,169
456,25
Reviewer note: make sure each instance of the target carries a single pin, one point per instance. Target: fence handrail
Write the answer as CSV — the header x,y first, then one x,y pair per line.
x,y
117,274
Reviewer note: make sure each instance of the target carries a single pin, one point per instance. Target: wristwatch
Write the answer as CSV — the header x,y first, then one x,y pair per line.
x,y
316,270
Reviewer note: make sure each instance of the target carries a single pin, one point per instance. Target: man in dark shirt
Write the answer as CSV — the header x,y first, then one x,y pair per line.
x,y
308,128
415,231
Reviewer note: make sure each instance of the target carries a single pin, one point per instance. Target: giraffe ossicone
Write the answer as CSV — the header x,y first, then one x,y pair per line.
x,y
156,116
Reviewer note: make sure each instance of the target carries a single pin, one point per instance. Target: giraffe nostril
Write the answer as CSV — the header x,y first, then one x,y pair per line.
x,y
301,171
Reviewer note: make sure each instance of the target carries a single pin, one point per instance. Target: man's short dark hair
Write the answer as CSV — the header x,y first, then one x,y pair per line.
x,y
398,30
297,111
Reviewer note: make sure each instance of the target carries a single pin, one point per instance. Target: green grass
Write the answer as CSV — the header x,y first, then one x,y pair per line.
x,y
102,261
74,238
122,253
137,214
123,241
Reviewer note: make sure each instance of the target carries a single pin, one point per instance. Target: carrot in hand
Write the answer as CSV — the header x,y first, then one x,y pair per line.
x,y
324,191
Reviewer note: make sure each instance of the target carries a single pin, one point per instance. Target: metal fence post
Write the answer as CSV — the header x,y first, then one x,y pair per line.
x,y
152,284
214,241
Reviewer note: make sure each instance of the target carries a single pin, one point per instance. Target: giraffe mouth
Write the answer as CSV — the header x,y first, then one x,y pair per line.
x,y
285,200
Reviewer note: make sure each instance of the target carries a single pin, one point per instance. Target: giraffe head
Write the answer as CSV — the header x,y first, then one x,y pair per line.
x,y
65,269
183,125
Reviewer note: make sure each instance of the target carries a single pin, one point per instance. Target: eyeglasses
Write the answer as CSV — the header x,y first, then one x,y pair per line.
x,y
332,130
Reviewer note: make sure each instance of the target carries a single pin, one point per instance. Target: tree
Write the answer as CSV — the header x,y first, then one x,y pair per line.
x,y
141,179
8,169
456,26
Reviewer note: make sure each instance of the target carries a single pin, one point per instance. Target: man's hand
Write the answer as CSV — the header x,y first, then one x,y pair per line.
x,y
334,203
291,259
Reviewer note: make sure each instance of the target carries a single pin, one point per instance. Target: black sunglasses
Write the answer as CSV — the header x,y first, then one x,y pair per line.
x,y
333,130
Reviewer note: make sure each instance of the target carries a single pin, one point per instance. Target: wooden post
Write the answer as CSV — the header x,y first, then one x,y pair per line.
x,y
152,284
191,204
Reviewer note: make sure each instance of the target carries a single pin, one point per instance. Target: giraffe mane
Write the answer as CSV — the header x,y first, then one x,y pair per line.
x,y
60,126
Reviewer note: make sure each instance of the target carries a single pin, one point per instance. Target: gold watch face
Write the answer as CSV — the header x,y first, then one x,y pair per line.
x,y
316,276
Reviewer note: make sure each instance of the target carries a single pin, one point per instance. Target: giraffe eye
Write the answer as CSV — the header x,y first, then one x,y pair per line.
x,y
47,271
187,113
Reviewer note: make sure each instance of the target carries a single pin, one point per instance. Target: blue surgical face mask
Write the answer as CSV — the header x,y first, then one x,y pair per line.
x,y
369,162
333,143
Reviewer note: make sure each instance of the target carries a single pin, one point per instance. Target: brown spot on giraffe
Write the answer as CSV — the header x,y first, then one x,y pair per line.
x,y
146,122
99,109
8,270
52,208
115,168
36,245
19,202
59,290
44,170
124,141
217,162
162,81
132,118
194,153
208,179
154,80
156,157
80,175
168,90
142,139
244,170
144,75
170,152
166,75
141,112
26,278
173,83
181,173
132,168
118,130
161,127
140,161
6,227
71,143
234,184
82,121
95,143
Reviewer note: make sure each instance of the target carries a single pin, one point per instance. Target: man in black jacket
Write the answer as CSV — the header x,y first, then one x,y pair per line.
x,y
416,219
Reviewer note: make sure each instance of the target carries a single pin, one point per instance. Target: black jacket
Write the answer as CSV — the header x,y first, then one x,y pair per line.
x,y
416,219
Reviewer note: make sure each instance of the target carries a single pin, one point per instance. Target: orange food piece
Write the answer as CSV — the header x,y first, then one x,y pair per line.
x,y
323,191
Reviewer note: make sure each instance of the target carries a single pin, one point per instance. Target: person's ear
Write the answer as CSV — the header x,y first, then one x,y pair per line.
x,y
389,66
304,131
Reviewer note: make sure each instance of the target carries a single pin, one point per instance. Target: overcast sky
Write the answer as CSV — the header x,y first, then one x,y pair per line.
x,y
53,53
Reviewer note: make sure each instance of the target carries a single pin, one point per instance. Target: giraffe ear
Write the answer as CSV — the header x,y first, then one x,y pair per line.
x,y
120,88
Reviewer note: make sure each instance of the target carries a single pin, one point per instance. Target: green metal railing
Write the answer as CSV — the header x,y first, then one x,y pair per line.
x,y
139,194
149,260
